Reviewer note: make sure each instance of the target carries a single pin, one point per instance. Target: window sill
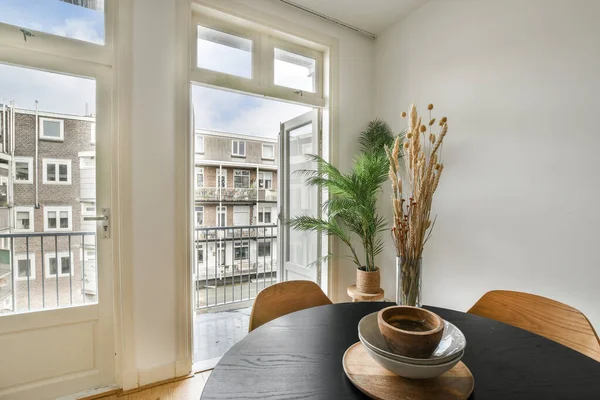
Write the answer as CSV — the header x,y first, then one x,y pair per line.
x,y
57,183
24,182
48,139
237,156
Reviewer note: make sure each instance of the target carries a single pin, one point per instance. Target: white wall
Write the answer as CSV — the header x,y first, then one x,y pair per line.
x,y
518,202
153,188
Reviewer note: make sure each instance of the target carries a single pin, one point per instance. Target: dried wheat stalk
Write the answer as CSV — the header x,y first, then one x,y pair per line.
x,y
412,197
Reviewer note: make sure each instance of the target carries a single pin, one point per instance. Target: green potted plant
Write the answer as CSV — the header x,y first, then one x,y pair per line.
x,y
351,211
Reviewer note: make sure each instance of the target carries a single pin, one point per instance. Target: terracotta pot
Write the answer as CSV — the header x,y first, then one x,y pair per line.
x,y
368,282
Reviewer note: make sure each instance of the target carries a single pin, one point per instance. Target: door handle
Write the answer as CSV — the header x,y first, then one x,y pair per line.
x,y
104,218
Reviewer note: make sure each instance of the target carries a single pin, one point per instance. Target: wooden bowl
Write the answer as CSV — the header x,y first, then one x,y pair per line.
x,y
410,331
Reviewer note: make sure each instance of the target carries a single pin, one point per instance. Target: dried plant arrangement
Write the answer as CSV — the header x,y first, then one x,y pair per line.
x,y
412,196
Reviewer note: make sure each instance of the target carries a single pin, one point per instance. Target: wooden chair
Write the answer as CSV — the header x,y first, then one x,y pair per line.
x,y
545,317
285,298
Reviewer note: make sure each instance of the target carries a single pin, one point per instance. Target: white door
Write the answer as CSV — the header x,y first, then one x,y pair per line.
x,y
300,251
57,335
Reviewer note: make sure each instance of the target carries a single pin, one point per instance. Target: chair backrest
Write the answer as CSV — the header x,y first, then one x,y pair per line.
x,y
285,298
545,317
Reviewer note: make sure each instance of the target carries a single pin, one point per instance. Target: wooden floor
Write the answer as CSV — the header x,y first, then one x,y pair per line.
x,y
184,389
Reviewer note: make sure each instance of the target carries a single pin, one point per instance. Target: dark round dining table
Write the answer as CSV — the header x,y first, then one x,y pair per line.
x,y
299,356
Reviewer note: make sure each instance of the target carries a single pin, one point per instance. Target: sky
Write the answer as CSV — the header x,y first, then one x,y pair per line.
x,y
213,109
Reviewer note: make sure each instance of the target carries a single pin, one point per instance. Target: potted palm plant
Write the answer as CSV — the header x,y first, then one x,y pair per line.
x,y
351,211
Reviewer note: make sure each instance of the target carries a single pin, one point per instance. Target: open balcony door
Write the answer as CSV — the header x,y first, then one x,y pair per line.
x,y
299,251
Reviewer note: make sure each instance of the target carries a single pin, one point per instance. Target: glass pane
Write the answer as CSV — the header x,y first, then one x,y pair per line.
x,y
62,173
52,129
22,220
52,265
64,219
22,171
294,71
222,52
75,19
303,198
268,151
65,265
51,172
23,267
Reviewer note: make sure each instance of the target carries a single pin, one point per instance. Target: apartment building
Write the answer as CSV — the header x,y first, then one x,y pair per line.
x,y
47,177
235,205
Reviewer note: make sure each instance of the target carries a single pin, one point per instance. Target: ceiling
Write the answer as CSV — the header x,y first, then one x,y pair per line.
x,y
370,15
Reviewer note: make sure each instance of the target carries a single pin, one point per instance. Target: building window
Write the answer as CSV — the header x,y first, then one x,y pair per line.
x,y
242,249
199,144
24,219
241,216
264,249
238,148
25,268
221,177
58,219
23,170
56,172
200,253
199,178
199,216
92,132
241,179
264,215
52,129
268,151
64,266
265,180
222,216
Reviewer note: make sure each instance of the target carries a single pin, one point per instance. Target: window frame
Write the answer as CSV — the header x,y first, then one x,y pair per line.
x,y
264,243
56,162
58,209
262,152
29,161
198,210
238,154
61,122
243,173
221,172
61,255
217,213
29,210
21,257
198,171
264,41
264,180
261,211
240,244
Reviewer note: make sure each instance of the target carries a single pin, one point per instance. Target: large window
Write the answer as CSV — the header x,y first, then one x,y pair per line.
x,y
52,129
76,19
241,179
58,218
23,169
56,172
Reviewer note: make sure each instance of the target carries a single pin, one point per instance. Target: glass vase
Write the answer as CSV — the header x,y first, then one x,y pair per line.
x,y
408,282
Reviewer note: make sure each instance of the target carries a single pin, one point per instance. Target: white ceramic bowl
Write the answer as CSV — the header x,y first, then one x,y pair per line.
x,y
413,371
452,344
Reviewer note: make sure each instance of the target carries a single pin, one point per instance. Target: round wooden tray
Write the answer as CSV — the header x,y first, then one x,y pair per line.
x,y
379,383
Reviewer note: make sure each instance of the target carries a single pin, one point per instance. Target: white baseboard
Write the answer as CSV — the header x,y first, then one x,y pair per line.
x,y
130,380
156,374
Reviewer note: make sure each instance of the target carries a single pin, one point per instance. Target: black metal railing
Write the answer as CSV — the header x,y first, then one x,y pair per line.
x,y
232,264
44,270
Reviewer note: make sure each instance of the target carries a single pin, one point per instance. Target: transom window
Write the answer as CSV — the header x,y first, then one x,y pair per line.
x,y
268,151
57,172
52,129
294,70
238,148
241,249
241,178
64,265
24,219
265,180
58,219
23,170
25,266
213,47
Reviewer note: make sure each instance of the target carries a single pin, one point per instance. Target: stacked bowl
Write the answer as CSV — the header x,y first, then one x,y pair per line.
x,y
412,342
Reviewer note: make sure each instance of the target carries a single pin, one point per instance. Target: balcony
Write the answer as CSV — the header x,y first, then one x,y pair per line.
x,y
233,264
226,194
